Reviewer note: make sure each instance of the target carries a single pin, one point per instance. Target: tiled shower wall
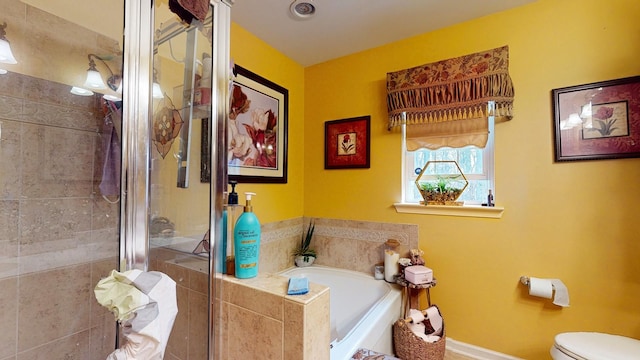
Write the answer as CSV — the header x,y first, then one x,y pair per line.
x,y
58,235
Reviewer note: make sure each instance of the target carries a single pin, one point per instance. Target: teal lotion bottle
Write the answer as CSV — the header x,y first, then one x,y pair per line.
x,y
246,238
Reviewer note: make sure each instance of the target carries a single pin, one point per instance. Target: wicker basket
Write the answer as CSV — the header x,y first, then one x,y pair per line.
x,y
408,346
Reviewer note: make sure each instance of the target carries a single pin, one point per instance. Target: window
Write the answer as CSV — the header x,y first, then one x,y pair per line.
x,y
477,165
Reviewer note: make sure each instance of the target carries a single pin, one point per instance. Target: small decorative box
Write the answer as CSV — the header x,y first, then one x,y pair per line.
x,y
418,274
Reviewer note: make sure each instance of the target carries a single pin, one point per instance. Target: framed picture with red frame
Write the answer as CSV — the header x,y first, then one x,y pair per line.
x,y
597,121
347,143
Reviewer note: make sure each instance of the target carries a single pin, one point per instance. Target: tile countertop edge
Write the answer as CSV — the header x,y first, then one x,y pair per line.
x,y
278,285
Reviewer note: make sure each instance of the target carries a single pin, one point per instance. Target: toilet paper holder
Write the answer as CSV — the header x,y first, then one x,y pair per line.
x,y
524,280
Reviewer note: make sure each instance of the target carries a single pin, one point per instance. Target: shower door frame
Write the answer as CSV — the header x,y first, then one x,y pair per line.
x,y
136,130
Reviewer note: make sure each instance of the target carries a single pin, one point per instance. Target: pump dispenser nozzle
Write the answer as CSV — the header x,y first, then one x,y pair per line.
x,y
233,196
248,207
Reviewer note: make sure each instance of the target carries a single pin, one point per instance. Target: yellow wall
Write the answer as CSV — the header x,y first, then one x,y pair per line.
x,y
275,201
574,221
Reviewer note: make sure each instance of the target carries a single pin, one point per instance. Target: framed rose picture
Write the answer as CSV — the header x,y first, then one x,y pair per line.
x,y
347,143
597,121
257,129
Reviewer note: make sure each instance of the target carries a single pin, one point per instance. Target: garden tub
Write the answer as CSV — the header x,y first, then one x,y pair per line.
x,y
363,309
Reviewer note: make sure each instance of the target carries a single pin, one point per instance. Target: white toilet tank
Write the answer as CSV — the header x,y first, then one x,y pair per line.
x,y
594,346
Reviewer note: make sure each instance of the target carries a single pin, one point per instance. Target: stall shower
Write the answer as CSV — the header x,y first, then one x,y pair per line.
x,y
61,228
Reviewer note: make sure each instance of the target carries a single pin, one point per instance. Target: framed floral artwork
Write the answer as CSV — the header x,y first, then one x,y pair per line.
x,y
597,121
257,129
347,143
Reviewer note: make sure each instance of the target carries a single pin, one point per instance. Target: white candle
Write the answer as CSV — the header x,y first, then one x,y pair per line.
x,y
390,265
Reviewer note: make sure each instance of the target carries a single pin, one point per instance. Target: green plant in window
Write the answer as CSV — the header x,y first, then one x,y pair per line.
x,y
442,189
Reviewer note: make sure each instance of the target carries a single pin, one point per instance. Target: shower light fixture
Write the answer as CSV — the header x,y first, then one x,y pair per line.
x,y
302,9
94,81
80,91
6,56
94,78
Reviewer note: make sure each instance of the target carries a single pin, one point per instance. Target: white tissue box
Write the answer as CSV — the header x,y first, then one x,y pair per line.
x,y
418,274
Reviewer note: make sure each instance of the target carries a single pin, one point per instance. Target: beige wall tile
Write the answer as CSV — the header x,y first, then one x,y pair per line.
x,y
75,346
268,304
102,337
9,210
276,256
199,282
73,119
178,344
104,215
51,167
198,325
53,304
317,332
100,270
294,330
253,336
10,107
370,254
10,164
221,335
178,273
8,321
53,219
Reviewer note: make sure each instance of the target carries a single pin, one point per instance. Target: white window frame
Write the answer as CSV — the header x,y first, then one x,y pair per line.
x,y
472,209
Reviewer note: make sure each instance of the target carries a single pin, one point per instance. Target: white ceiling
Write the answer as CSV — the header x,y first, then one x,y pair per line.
x,y
343,27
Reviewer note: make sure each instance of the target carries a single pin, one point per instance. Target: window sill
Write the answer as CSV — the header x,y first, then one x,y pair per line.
x,y
465,211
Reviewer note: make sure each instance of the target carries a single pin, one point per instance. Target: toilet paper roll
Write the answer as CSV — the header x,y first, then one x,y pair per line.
x,y
549,288
418,329
540,287
416,316
431,338
561,296
435,319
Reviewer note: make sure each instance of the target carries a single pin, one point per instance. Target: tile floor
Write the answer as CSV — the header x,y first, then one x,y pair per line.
x,y
367,354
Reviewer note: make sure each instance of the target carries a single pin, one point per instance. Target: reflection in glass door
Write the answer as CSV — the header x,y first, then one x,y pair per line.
x,y
179,240
187,176
59,182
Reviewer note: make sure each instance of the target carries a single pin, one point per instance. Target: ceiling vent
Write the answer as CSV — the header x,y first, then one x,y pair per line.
x,y
302,9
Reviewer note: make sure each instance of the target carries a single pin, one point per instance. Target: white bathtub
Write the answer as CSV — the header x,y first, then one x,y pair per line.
x,y
363,309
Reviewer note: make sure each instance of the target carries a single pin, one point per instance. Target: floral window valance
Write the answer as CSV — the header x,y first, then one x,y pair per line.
x,y
453,89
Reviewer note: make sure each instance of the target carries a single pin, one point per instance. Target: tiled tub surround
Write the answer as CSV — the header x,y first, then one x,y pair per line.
x,y
259,319
346,244
362,309
59,237
261,322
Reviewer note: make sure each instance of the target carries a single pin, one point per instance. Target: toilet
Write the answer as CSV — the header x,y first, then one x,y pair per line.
x,y
594,346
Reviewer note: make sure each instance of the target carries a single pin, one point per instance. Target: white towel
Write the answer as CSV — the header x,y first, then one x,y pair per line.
x,y
416,315
145,304
434,317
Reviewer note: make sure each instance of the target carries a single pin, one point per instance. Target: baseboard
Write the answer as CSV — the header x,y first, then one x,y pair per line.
x,y
475,352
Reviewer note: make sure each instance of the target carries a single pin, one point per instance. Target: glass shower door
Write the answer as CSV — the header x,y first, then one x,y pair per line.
x,y
180,197
187,174
59,195
64,224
